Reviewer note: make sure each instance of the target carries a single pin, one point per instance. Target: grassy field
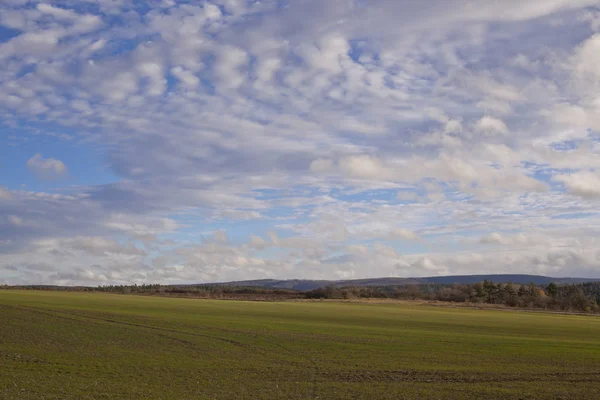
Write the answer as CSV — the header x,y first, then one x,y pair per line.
x,y
102,346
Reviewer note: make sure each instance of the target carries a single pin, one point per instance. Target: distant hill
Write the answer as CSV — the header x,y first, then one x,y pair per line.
x,y
303,284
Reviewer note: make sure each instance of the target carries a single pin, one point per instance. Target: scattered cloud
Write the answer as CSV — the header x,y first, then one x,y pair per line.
x,y
235,140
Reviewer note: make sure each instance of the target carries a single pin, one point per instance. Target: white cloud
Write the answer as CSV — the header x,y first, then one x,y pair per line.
x,y
408,196
140,227
402,233
5,194
119,87
46,167
58,13
274,237
328,54
185,76
585,184
453,126
220,236
154,72
90,245
267,69
230,65
491,126
586,59
212,11
321,165
358,250
500,239
364,167
15,220
257,242
426,265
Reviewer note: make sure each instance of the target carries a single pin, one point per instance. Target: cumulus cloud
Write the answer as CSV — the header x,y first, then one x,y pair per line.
x,y
585,184
220,236
257,242
46,167
15,220
364,167
500,239
402,233
586,59
5,194
491,126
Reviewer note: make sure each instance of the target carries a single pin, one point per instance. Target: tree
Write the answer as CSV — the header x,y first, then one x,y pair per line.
x,y
533,290
510,295
414,292
552,290
509,289
479,290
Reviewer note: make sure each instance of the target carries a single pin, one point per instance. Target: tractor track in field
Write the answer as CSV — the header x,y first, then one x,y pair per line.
x,y
73,316
233,342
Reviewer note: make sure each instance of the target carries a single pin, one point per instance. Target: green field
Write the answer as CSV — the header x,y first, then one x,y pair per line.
x,y
101,346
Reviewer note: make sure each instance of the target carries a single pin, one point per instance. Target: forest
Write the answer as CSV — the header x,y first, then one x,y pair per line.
x,y
584,297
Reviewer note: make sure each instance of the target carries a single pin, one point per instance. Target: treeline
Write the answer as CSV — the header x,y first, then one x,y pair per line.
x,y
583,297
200,291
204,291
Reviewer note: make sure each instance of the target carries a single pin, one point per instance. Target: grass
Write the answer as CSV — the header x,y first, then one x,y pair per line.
x,y
102,346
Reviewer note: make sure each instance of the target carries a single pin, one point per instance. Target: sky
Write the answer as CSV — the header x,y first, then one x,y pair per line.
x,y
201,141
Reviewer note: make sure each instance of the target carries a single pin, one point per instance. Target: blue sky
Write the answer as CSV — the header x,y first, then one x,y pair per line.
x,y
197,141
